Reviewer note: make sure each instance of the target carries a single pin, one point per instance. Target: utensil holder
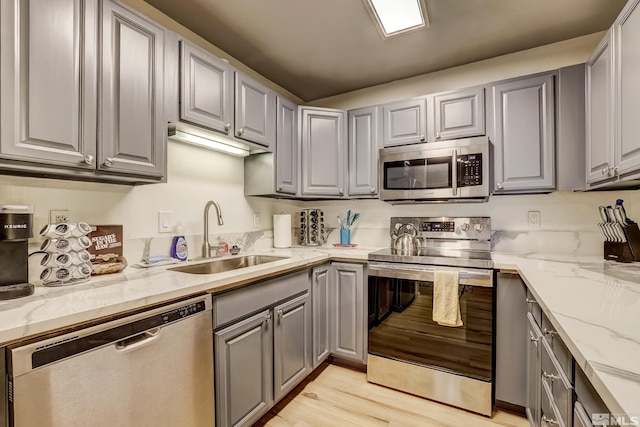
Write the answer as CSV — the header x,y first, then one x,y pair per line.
x,y
628,251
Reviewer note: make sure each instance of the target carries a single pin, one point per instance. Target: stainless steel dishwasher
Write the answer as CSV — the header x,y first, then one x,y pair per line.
x,y
154,368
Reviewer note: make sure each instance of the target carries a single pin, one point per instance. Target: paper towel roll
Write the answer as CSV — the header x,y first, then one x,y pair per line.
x,y
282,231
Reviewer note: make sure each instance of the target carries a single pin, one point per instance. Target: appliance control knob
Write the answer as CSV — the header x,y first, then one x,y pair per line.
x,y
478,227
464,227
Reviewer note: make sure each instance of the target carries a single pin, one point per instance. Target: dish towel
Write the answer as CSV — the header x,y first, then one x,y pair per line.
x,y
446,305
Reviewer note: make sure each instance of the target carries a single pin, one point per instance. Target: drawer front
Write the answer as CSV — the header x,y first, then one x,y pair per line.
x,y
551,416
554,379
239,303
558,347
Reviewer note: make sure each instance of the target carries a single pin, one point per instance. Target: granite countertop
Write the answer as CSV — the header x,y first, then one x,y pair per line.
x,y
595,307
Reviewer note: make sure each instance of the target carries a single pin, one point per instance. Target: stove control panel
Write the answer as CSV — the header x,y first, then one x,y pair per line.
x,y
452,228
449,226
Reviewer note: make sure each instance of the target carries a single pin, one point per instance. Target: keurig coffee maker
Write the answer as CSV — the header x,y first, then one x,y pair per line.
x,y
16,226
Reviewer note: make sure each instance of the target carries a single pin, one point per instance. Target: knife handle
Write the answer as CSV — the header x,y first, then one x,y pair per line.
x,y
603,213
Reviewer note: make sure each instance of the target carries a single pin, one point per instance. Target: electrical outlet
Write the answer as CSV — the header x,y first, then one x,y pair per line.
x,y
534,219
256,220
57,216
164,222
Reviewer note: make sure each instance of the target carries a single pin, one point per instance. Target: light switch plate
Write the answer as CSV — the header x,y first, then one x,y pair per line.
x,y
164,222
256,220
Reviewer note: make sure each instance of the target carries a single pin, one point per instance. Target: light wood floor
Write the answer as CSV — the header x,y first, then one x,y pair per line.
x,y
337,396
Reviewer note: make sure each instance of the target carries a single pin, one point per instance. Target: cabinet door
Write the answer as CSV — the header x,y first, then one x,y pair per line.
x,y
255,107
291,344
243,370
459,114
287,153
363,151
324,152
206,89
404,122
534,374
599,115
627,69
523,120
347,317
320,297
511,340
133,131
48,82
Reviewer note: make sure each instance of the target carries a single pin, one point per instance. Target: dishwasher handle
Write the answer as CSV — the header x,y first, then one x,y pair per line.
x,y
137,341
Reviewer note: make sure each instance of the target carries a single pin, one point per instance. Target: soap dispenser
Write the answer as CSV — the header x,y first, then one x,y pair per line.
x,y
179,248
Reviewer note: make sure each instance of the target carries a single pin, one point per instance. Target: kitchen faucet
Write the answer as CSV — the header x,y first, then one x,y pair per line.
x,y
206,246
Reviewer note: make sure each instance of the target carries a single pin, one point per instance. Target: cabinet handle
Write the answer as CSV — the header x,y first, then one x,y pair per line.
x,y
422,138
227,126
240,131
530,301
108,162
548,421
89,159
267,317
341,191
550,377
373,190
534,340
499,186
279,313
549,332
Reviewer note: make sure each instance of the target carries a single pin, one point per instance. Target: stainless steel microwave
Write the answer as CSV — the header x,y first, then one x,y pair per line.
x,y
443,171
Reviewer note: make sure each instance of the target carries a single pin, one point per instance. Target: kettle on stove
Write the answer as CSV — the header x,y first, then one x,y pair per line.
x,y
405,241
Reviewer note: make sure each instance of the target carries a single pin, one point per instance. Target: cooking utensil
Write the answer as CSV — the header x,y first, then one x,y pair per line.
x,y
406,243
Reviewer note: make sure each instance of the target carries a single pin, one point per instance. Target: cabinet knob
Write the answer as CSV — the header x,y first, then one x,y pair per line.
x,y
341,191
227,126
240,131
549,332
422,138
267,316
548,421
89,159
614,170
279,313
373,190
281,187
530,301
499,186
108,162
437,135
550,377
605,170
534,340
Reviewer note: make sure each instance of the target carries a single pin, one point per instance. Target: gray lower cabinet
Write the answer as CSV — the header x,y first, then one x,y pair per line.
x,y
404,122
206,89
348,321
511,340
459,114
321,297
255,108
522,129
244,370
82,87
287,149
364,133
324,152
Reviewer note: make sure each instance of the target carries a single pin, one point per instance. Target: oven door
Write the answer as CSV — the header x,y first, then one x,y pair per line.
x,y
413,172
406,331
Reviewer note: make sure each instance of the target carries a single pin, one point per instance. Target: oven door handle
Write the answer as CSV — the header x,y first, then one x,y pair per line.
x,y
483,278
454,172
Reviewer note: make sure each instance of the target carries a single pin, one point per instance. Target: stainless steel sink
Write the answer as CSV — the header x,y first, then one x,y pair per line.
x,y
227,264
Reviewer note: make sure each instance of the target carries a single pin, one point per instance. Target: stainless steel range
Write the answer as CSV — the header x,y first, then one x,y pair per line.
x,y
408,349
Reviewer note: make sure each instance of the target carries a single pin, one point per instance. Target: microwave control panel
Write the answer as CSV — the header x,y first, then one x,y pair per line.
x,y
469,170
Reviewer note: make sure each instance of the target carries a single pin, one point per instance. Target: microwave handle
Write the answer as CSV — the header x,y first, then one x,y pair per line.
x,y
454,172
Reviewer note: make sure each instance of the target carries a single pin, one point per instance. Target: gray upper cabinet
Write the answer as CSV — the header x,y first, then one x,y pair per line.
x,y
132,133
627,70
599,111
523,132
347,318
320,296
287,152
48,84
206,89
364,134
459,114
324,152
255,107
404,122
291,344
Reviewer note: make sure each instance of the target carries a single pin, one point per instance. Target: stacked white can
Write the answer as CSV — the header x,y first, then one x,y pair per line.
x,y
67,260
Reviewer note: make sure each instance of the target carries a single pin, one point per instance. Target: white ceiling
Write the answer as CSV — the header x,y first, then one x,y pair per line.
x,y
319,48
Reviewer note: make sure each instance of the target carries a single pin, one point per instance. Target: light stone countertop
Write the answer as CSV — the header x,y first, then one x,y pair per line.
x,y
593,304
595,307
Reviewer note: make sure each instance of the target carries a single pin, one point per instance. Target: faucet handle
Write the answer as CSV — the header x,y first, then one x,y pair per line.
x,y
234,250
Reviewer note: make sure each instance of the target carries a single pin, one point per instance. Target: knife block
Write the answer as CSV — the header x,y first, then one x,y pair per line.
x,y
628,251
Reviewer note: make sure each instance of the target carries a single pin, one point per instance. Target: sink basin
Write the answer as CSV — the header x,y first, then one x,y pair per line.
x,y
227,264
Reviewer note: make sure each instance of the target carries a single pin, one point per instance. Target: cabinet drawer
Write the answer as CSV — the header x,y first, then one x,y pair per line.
x,y
241,302
550,416
556,382
558,347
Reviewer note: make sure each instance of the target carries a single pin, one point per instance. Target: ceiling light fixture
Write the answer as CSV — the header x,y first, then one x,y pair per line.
x,y
395,17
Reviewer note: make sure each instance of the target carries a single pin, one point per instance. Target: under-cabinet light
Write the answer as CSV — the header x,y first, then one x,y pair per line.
x,y
209,143
398,16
